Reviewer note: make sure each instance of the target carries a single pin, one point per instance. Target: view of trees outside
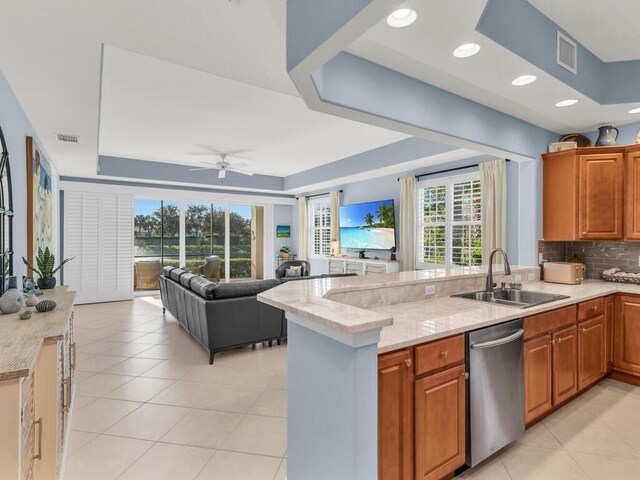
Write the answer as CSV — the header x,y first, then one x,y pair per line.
x,y
157,231
157,234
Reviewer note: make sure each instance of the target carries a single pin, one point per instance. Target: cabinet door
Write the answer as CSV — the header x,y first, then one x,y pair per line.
x,y
537,377
395,419
565,364
626,334
440,423
632,196
601,190
609,309
592,362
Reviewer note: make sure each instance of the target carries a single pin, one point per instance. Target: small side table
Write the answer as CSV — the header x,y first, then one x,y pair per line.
x,y
280,259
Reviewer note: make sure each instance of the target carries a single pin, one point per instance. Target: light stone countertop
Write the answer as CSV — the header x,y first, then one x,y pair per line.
x,y
307,297
412,323
428,320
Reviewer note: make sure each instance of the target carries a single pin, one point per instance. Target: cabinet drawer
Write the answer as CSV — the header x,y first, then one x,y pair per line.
x,y
374,268
548,321
590,309
439,354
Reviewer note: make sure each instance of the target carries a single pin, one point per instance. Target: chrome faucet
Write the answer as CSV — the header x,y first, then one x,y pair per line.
x,y
507,267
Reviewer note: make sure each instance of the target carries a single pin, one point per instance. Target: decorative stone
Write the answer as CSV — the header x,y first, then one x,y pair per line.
x,y
26,315
46,305
31,300
12,301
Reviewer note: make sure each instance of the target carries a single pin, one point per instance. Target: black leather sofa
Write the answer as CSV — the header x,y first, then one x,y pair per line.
x,y
222,315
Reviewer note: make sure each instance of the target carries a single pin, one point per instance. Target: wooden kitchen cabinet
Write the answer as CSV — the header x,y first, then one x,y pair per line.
x,y
538,356
395,416
626,334
439,423
565,364
583,194
632,193
592,357
609,313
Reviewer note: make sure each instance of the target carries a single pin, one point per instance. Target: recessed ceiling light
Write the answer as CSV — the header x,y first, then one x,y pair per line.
x,y
403,17
635,110
567,103
523,80
466,50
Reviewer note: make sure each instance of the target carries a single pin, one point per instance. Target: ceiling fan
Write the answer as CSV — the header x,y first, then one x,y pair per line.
x,y
223,166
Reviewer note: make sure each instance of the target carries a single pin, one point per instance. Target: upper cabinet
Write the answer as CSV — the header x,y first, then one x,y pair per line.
x,y
585,196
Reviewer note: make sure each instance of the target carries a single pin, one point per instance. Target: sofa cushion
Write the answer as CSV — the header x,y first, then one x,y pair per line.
x,y
167,271
293,271
202,286
185,279
176,273
243,289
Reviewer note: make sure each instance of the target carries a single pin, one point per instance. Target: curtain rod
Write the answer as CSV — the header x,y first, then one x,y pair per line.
x,y
317,195
450,170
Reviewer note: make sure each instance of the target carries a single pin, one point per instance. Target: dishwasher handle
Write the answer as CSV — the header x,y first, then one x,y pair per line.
x,y
499,341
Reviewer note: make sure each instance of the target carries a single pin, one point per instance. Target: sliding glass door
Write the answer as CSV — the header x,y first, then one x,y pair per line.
x,y
204,234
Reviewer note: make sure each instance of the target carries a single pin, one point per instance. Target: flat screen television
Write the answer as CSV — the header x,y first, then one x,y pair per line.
x,y
368,226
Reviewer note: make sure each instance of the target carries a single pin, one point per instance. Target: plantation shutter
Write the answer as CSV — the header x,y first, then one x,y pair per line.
x,y
98,232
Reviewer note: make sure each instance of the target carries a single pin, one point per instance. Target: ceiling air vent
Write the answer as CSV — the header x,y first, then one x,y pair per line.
x,y
567,53
67,138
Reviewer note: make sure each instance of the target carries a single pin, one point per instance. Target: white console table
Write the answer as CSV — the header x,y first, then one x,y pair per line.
x,y
361,266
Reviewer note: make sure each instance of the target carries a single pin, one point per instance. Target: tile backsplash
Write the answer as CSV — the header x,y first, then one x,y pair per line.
x,y
598,256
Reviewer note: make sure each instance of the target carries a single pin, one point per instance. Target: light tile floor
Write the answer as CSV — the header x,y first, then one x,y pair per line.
x,y
149,406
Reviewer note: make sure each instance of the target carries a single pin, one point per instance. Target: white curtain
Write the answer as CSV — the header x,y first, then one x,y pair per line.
x,y
493,182
408,223
335,223
303,228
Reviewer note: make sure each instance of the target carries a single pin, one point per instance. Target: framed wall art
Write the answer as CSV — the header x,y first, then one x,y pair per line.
x,y
39,201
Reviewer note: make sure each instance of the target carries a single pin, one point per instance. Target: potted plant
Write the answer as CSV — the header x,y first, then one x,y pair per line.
x,y
45,261
285,251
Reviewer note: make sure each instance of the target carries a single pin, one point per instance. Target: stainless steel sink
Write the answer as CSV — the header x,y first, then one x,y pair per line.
x,y
512,298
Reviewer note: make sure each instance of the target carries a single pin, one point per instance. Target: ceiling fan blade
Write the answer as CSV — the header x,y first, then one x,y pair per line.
x,y
222,173
242,172
212,167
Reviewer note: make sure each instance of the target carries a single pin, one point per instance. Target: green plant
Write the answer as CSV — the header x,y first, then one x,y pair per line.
x,y
45,262
285,249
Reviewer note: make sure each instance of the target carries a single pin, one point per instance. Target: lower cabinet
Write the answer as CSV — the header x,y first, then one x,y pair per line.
x,y
538,374
421,417
440,423
395,416
592,361
565,364
609,315
626,335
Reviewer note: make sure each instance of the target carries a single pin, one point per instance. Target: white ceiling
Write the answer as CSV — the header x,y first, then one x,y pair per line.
x,y
608,29
156,110
424,51
50,53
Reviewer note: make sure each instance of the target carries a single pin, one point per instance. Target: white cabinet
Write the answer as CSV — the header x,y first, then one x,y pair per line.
x,y
361,266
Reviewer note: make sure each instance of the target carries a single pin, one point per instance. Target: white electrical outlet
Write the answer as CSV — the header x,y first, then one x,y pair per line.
x,y
429,289
517,278
531,276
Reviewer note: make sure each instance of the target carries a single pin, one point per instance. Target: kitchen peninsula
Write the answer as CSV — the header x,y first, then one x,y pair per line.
x,y
342,330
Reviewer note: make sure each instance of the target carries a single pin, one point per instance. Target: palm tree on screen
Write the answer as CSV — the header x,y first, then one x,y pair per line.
x,y
368,219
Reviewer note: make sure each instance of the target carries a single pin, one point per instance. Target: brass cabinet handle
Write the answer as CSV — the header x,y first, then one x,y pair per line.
x,y
444,354
72,354
408,362
582,330
559,340
594,308
38,422
66,385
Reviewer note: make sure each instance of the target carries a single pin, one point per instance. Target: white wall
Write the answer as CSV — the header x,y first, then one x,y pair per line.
x,y
16,127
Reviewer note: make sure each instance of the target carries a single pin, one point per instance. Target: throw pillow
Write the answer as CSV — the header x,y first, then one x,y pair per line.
x,y
293,271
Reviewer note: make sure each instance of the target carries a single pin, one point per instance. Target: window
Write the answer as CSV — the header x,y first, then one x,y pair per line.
x,y
319,227
204,232
449,222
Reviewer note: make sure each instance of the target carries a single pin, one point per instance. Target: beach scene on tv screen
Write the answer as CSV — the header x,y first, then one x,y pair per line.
x,y
368,226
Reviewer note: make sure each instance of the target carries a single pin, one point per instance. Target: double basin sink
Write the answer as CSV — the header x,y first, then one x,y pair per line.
x,y
512,297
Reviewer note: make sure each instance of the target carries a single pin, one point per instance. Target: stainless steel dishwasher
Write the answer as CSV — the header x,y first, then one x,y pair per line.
x,y
495,390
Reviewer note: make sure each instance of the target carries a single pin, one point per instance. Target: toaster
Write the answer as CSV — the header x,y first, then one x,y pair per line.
x,y
563,272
